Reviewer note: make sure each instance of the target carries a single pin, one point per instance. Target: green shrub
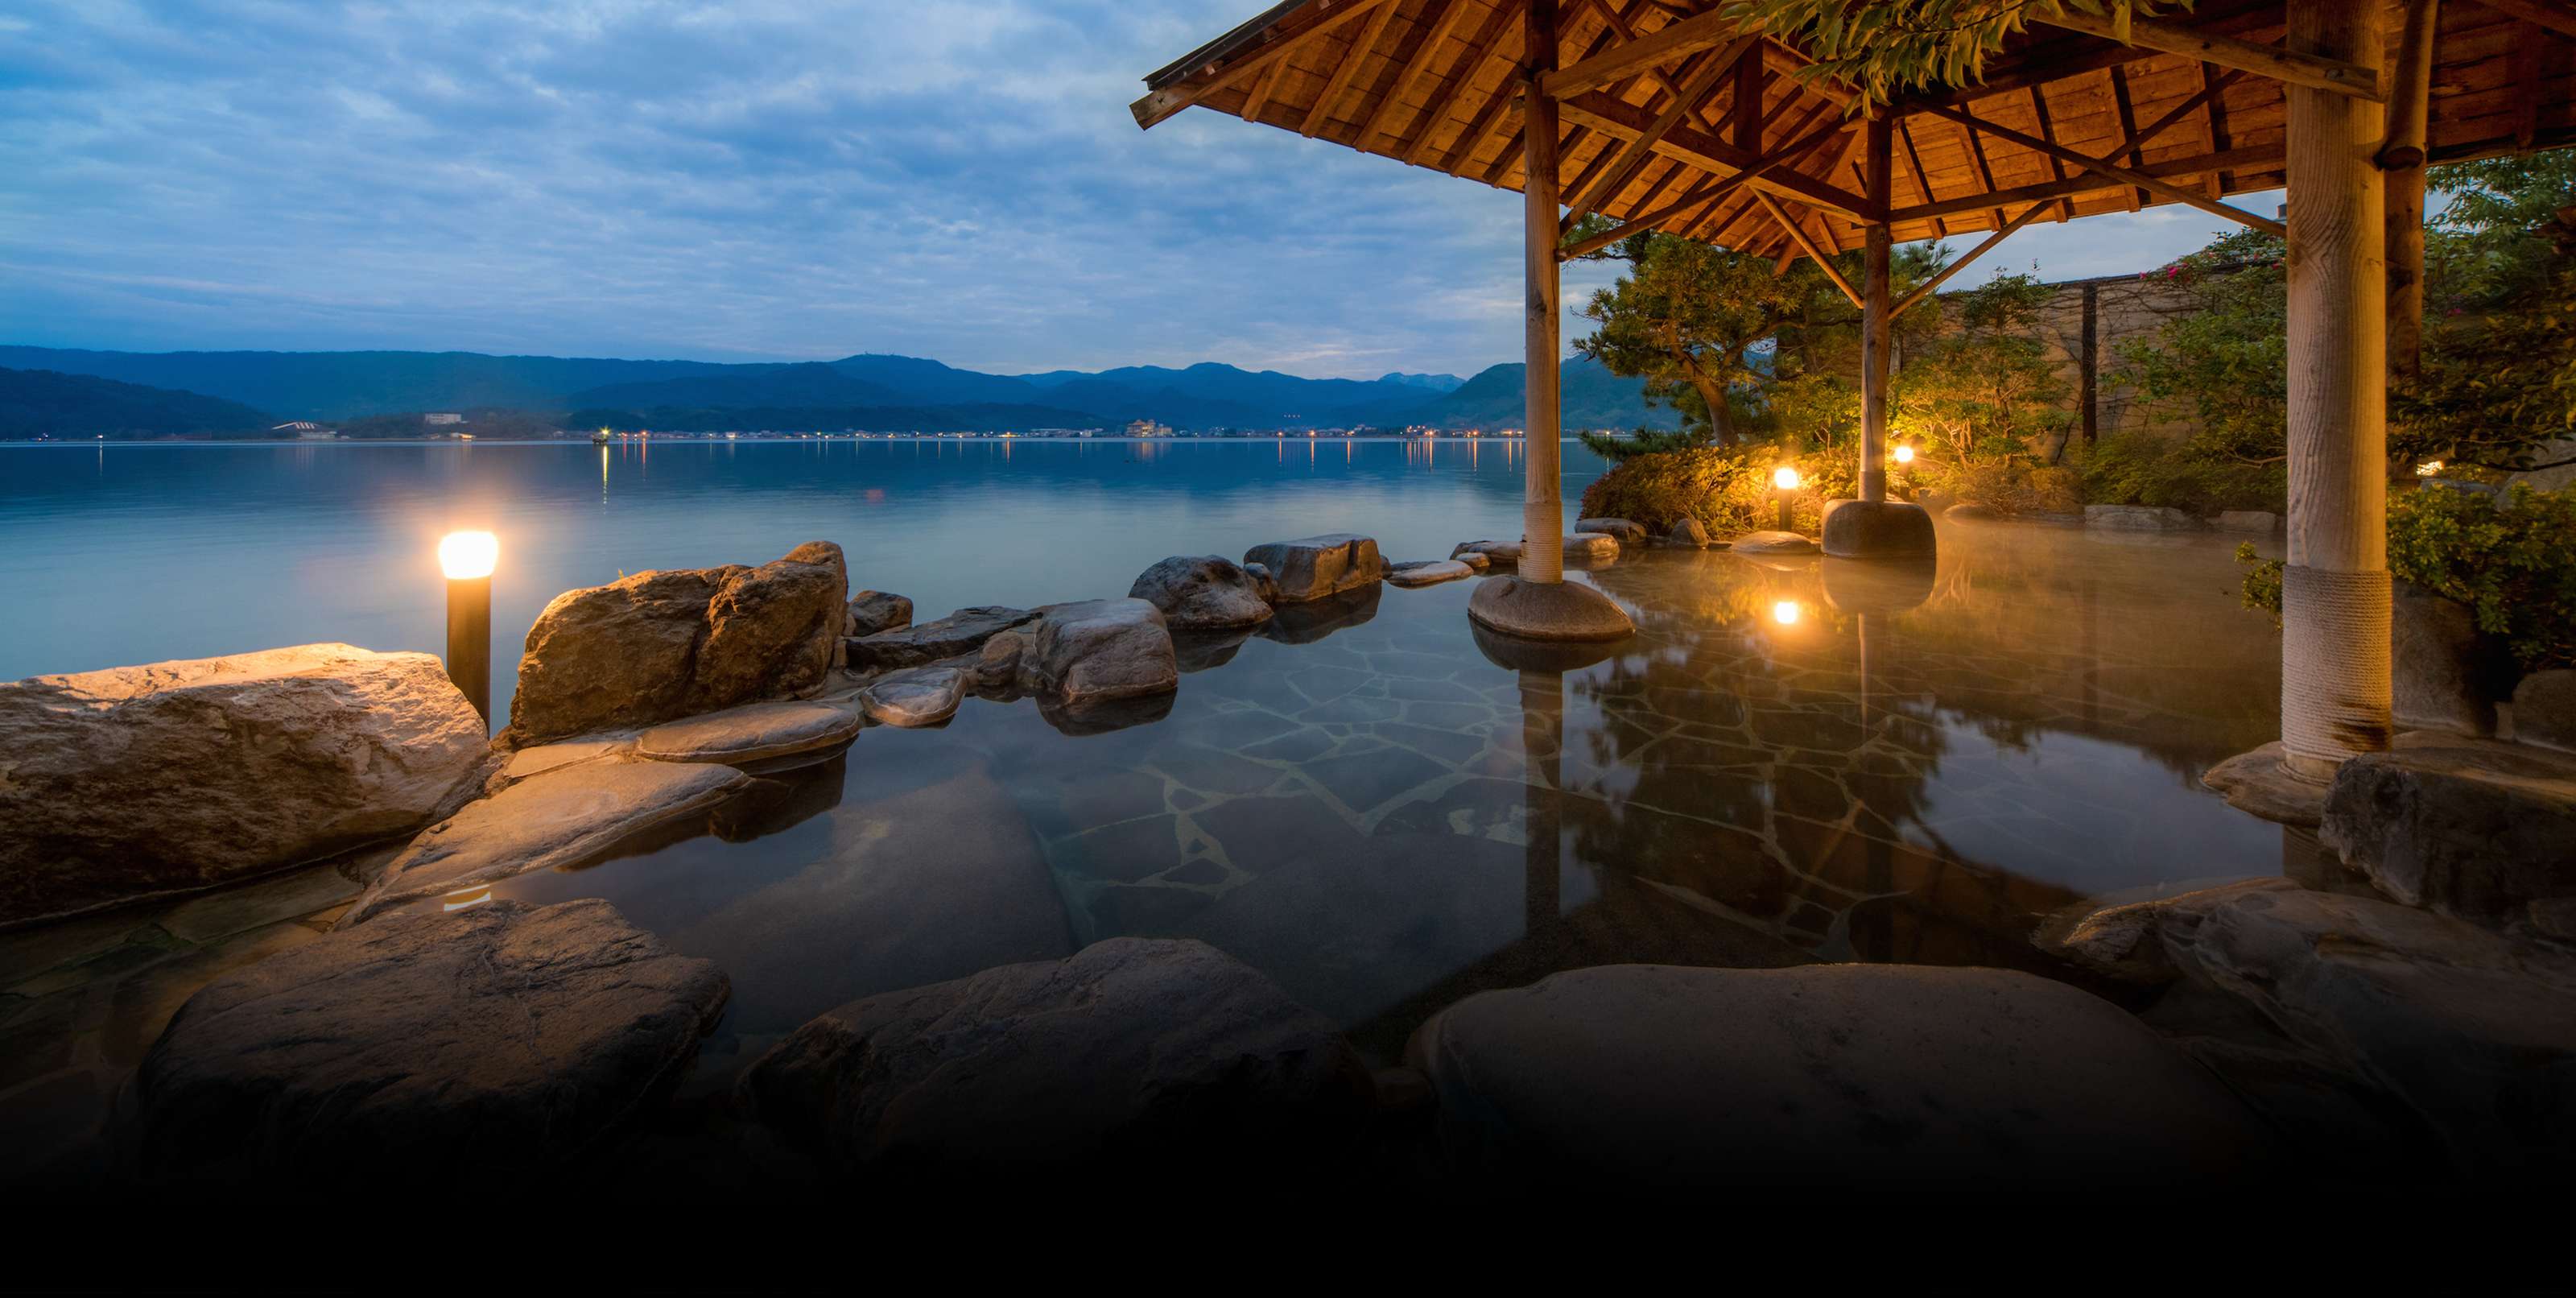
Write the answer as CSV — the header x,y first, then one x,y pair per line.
x,y
1728,489
2514,565
2145,469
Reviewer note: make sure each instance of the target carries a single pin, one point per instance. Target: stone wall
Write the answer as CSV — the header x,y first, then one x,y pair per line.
x,y
2122,307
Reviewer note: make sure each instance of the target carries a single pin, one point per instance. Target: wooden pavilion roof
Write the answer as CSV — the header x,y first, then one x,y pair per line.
x,y
2067,122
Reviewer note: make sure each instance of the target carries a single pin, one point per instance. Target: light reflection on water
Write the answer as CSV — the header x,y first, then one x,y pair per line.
x,y
1796,759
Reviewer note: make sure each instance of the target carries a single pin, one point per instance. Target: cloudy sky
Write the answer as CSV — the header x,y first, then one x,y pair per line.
x,y
758,179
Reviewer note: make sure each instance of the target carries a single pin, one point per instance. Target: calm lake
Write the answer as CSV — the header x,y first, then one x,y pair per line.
x,y
1796,759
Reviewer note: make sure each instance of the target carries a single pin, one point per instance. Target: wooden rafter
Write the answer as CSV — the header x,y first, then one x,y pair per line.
x,y
1642,54
1160,104
1442,19
1695,90
1343,70
2140,179
2128,126
2557,17
1914,171
2287,66
1807,244
1926,288
1708,193
1488,41
1710,154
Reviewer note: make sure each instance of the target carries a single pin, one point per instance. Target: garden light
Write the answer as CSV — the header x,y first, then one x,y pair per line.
x,y
467,558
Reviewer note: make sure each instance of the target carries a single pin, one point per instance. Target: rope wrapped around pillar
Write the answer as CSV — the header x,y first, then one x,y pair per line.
x,y
2334,666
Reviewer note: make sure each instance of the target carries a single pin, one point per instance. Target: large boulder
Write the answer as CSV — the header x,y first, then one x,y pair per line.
x,y
1876,529
2544,710
1313,567
2468,827
1202,593
960,633
661,645
473,1047
559,820
175,776
1589,548
1627,530
2440,675
2466,1029
915,696
1688,533
1098,650
2139,518
1133,1053
871,611
1849,1077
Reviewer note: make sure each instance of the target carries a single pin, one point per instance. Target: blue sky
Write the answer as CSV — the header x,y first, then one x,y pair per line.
x,y
761,179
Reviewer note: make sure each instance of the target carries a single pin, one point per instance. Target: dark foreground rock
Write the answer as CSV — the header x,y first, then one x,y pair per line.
x,y
1313,567
959,633
2544,710
1098,651
133,781
1202,593
2465,1030
872,611
558,820
662,645
2468,827
1133,1053
1884,1079
500,1041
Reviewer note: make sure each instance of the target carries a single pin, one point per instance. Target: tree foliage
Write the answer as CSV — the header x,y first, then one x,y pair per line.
x,y
1889,47
2498,387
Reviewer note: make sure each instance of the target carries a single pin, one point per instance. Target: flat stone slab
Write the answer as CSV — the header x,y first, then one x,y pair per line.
x,y
427,1050
2474,828
1313,567
754,732
2257,782
1875,1077
1507,553
1626,530
2467,1028
1772,542
1591,547
915,696
537,759
2126,939
961,632
557,820
1427,572
1477,560
1133,1052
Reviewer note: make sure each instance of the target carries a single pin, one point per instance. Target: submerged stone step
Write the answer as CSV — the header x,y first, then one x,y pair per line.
x,y
754,732
438,1048
1427,572
560,819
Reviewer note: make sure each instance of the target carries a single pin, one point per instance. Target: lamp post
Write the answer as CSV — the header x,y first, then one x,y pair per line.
x,y
468,558
1785,479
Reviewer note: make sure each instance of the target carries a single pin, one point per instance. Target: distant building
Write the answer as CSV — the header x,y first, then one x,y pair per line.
x,y
1148,428
435,420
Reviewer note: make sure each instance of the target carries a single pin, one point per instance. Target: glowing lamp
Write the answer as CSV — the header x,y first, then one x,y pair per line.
x,y
2428,468
1785,478
1785,612
467,558
468,554
1905,455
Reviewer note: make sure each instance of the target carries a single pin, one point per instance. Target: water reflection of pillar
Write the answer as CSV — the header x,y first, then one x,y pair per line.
x,y
1543,756
1873,934
2092,673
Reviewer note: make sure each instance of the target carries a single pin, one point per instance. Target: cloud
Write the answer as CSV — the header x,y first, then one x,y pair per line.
x,y
762,178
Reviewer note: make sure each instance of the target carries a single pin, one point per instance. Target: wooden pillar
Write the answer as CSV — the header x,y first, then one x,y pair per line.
x,y
2401,159
2335,595
1542,494
1877,170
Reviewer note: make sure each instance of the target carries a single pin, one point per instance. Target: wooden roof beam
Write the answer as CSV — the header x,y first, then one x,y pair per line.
x,y
1350,63
1159,105
2557,17
1644,54
1807,244
1488,42
2152,185
1442,21
2279,64
1620,118
1704,194
2255,158
1925,289
1633,155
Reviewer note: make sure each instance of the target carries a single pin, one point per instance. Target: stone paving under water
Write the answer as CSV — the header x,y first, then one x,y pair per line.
x,y
1796,759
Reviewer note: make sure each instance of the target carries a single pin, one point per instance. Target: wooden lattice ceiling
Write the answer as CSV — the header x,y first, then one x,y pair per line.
x,y
2192,112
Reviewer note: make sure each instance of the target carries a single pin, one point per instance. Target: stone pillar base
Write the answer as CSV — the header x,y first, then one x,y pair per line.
x,y
1558,610
1877,529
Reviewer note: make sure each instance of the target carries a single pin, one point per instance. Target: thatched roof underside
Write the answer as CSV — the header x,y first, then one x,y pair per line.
x,y
1436,83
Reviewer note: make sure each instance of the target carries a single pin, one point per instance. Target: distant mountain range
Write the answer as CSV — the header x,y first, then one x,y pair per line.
x,y
885,393
46,403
